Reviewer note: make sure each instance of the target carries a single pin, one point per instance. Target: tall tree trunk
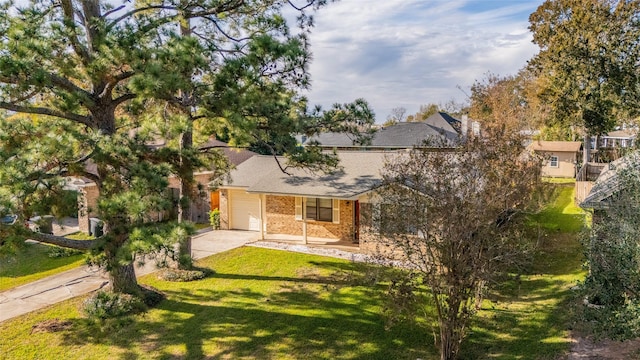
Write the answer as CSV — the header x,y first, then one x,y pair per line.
x,y
123,279
186,173
586,149
122,276
184,203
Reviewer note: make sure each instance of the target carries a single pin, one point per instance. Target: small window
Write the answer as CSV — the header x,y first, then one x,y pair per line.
x,y
553,162
319,209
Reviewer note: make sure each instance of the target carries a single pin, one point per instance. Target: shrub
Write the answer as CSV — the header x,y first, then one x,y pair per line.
x,y
178,275
104,305
60,252
214,219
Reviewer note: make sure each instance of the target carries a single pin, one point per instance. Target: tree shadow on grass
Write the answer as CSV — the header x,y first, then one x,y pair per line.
x,y
528,315
554,218
534,333
31,259
310,318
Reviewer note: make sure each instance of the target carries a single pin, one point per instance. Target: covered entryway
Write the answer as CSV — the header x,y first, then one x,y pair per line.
x,y
215,200
245,210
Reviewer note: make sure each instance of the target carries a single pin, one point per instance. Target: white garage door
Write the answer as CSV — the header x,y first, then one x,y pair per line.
x,y
245,211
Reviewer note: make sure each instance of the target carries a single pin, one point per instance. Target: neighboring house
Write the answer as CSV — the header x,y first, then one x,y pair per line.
x,y
234,156
303,205
623,138
561,157
439,130
613,145
608,183
619,138
88,191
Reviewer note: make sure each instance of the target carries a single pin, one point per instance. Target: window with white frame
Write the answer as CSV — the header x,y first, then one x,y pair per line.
x,y
318,209
553,162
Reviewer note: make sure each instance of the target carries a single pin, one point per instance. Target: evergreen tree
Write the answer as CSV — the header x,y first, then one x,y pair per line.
x,y
92,71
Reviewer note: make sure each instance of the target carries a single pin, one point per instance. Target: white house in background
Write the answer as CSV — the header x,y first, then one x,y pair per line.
x,y
623,138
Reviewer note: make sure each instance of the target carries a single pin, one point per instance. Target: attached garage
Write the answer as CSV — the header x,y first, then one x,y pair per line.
x,y
244,209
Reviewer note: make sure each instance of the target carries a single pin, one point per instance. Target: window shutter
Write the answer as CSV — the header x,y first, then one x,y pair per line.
x,y
336,211
298,208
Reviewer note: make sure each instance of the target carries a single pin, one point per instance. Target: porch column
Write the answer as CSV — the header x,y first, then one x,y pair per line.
x,y
263,224
304,231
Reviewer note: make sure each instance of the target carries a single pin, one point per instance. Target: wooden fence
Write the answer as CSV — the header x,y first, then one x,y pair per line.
x,y
585,180
583,188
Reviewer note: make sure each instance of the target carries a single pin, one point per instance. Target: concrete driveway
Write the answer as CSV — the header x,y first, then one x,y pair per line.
x,y
82,280
213,242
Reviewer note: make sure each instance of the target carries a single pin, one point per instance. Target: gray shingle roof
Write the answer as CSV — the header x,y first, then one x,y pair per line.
x,y
332,140
410,134
359,173
439,126
608,182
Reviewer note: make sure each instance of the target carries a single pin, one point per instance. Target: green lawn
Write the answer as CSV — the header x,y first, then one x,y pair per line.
x,y
562,215
268,304
528,315
260,304
32,262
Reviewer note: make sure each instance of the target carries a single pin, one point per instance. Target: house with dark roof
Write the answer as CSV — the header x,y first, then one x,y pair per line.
x,y
561,157
301,205
236,156
440,130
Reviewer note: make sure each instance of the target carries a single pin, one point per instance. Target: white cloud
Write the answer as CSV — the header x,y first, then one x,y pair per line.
x,y
407,53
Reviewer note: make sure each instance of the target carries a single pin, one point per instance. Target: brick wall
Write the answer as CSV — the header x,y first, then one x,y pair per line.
x,y
371,243
280,214
87,206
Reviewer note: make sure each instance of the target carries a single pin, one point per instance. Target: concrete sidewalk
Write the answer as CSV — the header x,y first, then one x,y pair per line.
x,y
82,280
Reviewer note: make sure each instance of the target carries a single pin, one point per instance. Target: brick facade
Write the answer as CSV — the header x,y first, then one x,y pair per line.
x,y
280,217
87,206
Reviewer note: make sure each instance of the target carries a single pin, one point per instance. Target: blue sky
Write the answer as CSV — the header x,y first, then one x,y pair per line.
x,y
412,52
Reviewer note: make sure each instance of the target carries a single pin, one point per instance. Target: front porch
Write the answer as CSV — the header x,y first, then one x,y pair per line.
x,y
313,242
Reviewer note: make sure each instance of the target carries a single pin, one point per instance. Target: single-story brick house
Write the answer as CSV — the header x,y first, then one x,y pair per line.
x,y
562,157
303,205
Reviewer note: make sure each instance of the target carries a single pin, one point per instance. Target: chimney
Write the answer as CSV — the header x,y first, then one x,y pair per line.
x,y
464,125
475,128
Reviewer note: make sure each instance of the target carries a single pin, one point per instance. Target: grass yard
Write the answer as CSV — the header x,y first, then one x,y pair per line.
x,y
268,304
260,304
32,262
528,316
